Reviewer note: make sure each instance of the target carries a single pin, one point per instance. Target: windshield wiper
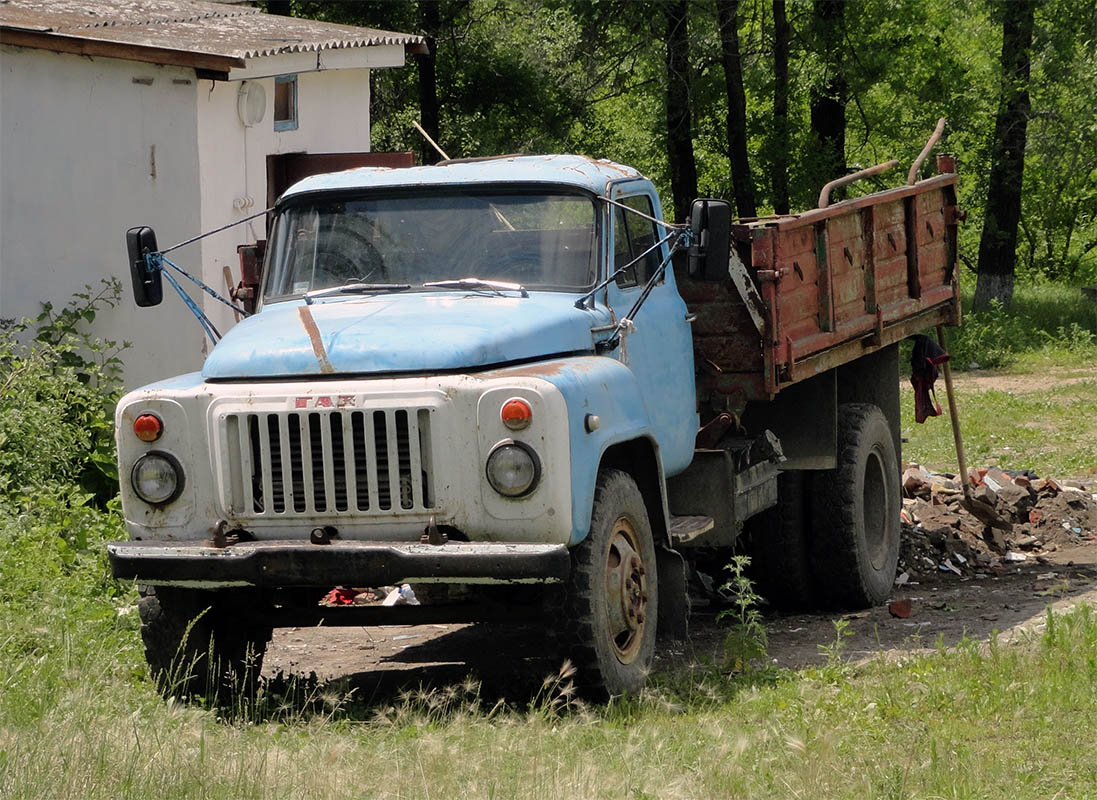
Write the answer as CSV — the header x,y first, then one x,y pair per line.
x,y
476,283
356,288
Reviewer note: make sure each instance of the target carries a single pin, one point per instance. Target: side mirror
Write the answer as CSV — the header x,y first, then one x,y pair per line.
x,y
710,224
148,288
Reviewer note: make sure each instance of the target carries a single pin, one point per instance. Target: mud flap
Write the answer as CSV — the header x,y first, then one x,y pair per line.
x,y
673,597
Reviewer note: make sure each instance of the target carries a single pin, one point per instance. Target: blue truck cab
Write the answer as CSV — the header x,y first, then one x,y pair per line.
x,y
476,376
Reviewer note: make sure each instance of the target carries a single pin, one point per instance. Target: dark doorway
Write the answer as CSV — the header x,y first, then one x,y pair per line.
x,y
286,169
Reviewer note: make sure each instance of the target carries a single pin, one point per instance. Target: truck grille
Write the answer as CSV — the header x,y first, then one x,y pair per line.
x,y
327,462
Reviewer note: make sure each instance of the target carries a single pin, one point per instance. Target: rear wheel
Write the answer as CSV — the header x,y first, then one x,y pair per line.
x,y
780,545
197,644
855,544
611,605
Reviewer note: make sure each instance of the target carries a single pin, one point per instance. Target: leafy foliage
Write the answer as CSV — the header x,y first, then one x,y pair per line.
x,y
59,605
57,398
1044,320
588,76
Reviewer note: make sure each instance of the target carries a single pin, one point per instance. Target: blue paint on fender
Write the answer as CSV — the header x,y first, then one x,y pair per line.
x,y
404,333
592,385
603,386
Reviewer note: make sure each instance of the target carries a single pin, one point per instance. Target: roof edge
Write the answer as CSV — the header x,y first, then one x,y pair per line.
x,y
218,65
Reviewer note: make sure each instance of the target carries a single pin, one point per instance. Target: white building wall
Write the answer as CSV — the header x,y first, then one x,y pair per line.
x,y
85,153
333,116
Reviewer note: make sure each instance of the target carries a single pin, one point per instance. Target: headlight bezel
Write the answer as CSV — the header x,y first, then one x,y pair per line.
x,y
535,463
175,467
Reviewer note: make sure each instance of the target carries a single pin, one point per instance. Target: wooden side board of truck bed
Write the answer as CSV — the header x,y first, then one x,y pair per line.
x,y
837,283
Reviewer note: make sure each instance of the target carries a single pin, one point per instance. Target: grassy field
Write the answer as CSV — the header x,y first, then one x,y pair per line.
x,y
1046,422
79,717
1035,407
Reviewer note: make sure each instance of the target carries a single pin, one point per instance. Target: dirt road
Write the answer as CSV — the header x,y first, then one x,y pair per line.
x,y
511,661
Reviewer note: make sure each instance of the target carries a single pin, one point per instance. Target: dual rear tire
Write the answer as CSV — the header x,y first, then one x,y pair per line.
x,y
833,537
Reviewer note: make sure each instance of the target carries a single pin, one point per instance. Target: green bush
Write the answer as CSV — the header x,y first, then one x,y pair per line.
x,y
57,398
60,610
1048,321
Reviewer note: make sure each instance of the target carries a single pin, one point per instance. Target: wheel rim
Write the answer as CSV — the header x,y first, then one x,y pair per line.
x,y
874,505
626,591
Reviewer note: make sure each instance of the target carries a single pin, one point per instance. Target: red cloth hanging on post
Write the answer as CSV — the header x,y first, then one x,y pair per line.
x,y
924,360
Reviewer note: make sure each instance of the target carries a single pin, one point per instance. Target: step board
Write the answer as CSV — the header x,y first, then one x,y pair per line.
x,y
685,529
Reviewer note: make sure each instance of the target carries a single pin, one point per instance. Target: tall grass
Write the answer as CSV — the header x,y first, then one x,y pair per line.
x,y
77,719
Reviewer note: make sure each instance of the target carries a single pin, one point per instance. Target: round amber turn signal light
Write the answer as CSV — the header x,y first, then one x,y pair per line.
x,y
148,427
516,414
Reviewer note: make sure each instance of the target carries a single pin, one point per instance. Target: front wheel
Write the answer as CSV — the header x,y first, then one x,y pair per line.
x,y
612,598
856,509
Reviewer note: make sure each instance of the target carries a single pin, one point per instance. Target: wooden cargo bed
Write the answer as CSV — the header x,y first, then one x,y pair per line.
x,y
835,283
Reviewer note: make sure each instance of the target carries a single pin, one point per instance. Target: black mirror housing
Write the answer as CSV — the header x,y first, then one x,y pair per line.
x,y
710,225
148,287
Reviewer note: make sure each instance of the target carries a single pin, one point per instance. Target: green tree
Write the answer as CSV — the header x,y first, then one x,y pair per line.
x,y
683,170
998,244
1059,199
728,15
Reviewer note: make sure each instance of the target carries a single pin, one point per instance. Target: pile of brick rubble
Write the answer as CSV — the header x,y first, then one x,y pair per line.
x,y
1012,518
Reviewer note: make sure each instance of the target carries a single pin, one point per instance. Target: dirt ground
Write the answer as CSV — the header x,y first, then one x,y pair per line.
x,y
511,660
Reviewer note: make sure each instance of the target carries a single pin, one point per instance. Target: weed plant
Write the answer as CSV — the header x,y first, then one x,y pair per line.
x,y
746,640
58,390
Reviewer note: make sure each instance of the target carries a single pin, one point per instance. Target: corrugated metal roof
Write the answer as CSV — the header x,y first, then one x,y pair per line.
x,y
193,26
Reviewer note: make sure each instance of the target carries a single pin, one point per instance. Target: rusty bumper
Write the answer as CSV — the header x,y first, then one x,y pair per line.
x,y
296,563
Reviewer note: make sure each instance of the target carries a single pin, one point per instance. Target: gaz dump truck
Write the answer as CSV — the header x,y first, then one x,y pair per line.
x,y
510,384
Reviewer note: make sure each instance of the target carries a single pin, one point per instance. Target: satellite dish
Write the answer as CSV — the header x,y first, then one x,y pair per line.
x,y
251,103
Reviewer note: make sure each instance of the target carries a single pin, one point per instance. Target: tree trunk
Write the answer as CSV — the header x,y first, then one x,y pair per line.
x,y
742,183
683,172
998,243
828,100
429,25
779,169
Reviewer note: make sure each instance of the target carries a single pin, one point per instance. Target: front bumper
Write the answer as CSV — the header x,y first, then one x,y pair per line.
x,y
350,563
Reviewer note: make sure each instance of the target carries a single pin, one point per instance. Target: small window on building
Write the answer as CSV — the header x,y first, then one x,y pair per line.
x,y
285,103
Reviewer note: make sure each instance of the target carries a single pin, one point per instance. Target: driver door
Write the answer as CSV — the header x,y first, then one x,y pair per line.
x,y
660,349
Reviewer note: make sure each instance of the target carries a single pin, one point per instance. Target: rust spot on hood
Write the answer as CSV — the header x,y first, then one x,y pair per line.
x,y
314,337
541,369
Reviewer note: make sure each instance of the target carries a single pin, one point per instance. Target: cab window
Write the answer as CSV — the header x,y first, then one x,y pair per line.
x,y
633,236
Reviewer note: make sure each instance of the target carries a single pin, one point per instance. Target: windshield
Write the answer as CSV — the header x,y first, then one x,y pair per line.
x,y
536,239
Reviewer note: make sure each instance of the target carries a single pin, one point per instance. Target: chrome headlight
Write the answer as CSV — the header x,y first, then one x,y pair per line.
x,y
513,468
157,478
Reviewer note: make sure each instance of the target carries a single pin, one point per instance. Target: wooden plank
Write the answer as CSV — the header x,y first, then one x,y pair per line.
x,y
868,233
826,309
817,215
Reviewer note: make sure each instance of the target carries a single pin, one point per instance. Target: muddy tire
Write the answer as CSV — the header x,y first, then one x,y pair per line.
x,y
195,644
855,542
780,546
611,602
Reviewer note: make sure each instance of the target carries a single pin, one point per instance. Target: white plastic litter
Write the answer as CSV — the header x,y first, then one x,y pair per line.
x,y
401,596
